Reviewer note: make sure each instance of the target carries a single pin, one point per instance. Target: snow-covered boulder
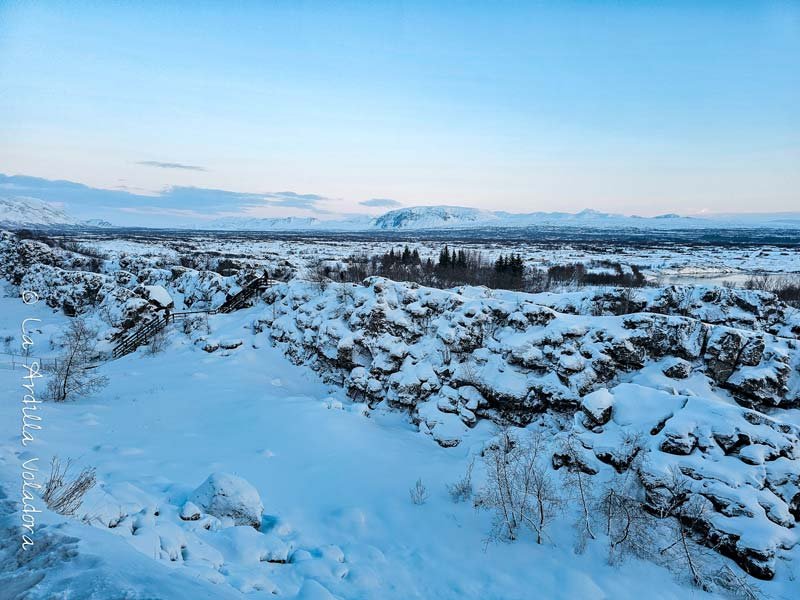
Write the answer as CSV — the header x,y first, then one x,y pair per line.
x,y
190,512
227,496
677,369
598,406
159,296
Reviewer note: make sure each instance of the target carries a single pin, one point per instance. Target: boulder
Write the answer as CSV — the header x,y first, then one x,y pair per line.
x,y
598,405
227,496
190,512
677,369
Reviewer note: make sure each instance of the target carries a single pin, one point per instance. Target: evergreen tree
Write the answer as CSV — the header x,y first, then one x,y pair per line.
x,y
462,259
444,258
500,264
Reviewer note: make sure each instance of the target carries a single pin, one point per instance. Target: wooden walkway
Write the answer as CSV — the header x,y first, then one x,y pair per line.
x,y
146,332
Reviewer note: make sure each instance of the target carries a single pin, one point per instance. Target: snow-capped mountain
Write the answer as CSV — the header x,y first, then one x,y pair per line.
x,y
432,217
30,212
461,217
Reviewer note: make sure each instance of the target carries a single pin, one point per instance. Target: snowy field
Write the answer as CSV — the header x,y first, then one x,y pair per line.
x,y
315,411
334,484
666,263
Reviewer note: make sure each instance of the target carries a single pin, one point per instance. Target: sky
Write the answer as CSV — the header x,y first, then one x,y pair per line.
x,y
193,110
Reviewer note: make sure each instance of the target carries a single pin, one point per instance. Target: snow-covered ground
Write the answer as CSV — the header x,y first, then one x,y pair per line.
x,y
271,451
673,263
334,484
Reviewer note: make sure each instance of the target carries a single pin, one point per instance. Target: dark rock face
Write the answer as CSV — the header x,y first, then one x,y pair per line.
x,y
722,354
678,369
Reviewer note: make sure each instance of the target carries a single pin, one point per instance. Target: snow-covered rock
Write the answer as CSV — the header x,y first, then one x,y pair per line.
x,y
598,406
159,296
227,496
190,511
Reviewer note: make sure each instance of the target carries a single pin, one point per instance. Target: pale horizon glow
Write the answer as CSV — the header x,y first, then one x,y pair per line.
x,y
634,108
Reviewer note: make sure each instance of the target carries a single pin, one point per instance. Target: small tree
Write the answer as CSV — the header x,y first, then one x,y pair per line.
x,y
579,484
72,374
520,490
320,275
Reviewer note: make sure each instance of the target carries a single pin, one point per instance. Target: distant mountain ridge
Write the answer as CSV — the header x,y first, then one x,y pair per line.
x,y
22,211
460,217
19,211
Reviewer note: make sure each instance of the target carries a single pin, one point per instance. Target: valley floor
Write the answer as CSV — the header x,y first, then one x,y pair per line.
x,y
334,483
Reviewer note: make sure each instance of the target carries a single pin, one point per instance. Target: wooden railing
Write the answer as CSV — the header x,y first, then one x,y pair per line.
x,y
150,329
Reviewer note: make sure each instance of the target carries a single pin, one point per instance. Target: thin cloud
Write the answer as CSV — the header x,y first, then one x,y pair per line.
x,y
381,203
170,165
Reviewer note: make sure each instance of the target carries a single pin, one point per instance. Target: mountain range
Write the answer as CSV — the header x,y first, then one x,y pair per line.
x,y
16,212
459,217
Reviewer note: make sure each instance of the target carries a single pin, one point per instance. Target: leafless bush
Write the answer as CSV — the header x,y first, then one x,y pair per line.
x,y
72,374
62,493
580,487
627,525
418,493
520,490
196,323
785,287
674,498
461,490
320,274
628,301
738,586
157,342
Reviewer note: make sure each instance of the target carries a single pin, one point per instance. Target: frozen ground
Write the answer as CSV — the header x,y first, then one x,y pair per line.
x,y
707,376
333,481
668,263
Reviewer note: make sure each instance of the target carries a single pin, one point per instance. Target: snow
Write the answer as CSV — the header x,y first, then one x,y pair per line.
x,y
17,211
336,483
159,295
460,217
227,496
330,404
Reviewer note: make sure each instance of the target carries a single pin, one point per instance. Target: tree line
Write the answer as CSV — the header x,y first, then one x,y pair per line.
x,y
461,266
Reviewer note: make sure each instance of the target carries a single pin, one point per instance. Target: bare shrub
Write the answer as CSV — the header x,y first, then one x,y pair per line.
x,y
629,301
72,373
739,587
675,499
580,487
62,493
196,323
785,287
627,525
418,493
461,490
520,490
320,274
157,342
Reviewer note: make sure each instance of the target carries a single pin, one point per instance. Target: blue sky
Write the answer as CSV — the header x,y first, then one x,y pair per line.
x,y
636,107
